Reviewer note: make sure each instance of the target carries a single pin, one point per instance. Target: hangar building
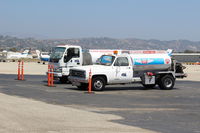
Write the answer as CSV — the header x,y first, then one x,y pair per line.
x,y
186,57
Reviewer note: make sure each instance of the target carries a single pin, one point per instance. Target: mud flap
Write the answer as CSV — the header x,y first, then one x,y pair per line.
x,y
148,80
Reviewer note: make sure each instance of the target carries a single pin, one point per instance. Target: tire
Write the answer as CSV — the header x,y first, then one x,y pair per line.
x,y
98,83
64,80
83,86
149,86
166,82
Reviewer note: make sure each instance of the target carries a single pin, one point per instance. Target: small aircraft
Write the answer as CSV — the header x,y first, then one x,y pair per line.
x,y
43,56
17,55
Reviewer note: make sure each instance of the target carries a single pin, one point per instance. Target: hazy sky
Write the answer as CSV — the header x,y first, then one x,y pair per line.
x,y
144,19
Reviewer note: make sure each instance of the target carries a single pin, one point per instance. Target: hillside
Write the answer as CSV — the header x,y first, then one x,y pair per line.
x,y
7,42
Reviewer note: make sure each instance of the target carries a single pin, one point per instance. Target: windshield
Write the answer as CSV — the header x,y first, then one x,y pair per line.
x,y
57,53
106,60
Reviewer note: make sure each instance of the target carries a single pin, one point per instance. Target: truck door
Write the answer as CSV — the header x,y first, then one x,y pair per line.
x,y
123,70
72,57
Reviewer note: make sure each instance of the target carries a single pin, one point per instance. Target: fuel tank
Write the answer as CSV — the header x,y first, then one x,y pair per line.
x,y
145,62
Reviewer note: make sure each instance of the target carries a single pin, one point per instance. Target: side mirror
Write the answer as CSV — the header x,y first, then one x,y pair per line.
x,y
98,61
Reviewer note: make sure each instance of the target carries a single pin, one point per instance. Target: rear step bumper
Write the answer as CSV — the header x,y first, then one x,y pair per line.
x,y
181,75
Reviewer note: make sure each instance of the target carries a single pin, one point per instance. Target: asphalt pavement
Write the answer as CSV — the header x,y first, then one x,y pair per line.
x,y
166,111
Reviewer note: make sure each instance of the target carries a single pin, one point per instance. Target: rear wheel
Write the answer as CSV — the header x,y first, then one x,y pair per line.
x,y
166,82
98,83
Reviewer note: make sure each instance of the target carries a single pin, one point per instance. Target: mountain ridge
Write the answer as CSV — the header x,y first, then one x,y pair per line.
x,y
7,42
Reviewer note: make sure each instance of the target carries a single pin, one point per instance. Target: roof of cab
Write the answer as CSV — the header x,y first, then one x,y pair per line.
x,y
67,45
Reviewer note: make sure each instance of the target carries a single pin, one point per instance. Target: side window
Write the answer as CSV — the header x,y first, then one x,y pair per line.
x,y
121,61
72,53
76,52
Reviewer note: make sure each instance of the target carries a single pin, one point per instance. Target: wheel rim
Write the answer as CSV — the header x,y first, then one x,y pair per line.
x,y
98,84
168,82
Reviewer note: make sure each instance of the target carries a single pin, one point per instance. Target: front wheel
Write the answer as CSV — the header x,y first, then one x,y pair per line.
x,y
166,82
98,84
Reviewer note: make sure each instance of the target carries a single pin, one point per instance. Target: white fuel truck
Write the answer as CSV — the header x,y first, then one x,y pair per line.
x,y
64,57
149,67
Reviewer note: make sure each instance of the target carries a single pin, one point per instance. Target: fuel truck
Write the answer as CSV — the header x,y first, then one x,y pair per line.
x,y
148,67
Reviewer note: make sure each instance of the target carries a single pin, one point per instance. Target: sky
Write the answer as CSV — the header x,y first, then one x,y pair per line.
x,y
65,19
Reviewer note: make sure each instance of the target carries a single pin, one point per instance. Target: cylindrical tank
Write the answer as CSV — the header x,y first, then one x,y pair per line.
x,y
145,62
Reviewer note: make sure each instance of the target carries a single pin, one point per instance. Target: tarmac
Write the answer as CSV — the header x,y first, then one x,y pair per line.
x,y
30,106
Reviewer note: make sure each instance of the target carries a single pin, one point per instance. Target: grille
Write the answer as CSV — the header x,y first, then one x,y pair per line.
x,y
77,73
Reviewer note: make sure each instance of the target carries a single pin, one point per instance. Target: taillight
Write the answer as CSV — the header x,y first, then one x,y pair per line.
x,y
150,73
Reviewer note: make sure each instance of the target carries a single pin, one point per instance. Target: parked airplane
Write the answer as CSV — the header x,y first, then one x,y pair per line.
x,y
43,56
17,55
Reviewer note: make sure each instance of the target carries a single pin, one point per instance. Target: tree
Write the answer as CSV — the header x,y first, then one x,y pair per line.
x,y
189,51
13,49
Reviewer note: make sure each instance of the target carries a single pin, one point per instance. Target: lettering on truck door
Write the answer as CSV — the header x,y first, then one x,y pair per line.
x,y
123,70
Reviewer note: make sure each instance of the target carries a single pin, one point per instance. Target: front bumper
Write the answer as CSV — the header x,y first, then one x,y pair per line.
x,y
59,75
56,75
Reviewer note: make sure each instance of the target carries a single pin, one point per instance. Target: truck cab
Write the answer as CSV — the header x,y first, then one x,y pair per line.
x,y
63,57
120,69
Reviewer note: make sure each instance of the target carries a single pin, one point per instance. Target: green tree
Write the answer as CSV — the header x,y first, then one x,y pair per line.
x,y
13,49
189,51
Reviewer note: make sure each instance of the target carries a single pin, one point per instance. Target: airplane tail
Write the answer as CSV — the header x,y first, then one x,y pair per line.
x,y
38,53
170,51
